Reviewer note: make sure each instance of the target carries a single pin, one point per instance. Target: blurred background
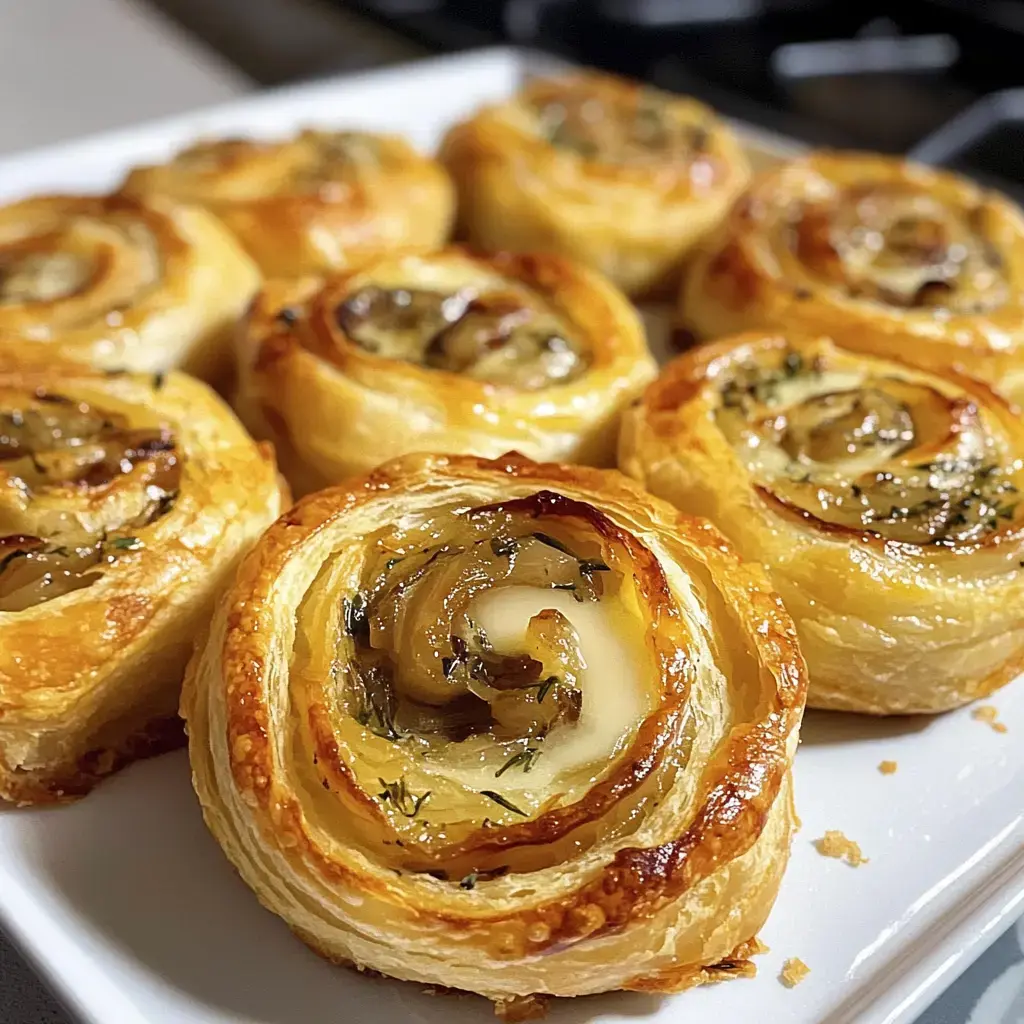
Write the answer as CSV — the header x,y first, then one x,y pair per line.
x,y
933,78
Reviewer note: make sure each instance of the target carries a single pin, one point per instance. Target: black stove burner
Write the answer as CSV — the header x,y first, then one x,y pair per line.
x,y
870,75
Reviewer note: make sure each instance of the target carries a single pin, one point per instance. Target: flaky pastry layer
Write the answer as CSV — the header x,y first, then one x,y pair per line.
x,y
883,499
600,803
621,177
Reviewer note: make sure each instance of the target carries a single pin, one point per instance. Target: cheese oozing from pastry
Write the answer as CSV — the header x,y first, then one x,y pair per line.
x,y
614,700
502,671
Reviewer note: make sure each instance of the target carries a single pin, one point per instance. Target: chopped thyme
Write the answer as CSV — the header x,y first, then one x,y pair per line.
x,y
127,543
502,802
401,799
391,563
378,704
159,380
504,547
469,881
546,687
793,364
524,759
355,619
552,542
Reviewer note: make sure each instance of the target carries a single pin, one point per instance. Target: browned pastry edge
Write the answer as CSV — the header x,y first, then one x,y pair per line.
x,y
46,787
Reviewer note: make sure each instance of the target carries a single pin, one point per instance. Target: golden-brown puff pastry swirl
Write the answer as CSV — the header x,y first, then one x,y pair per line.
x,y
125,502
884,500
121,283
319,201
449,351
505,727
887,257
616,175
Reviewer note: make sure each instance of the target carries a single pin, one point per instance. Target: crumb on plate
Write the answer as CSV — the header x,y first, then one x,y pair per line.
x,y
794,970
835,844
988,714
521,1008
888,767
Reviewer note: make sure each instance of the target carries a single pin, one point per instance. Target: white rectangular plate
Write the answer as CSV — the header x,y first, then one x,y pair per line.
x,y
126,904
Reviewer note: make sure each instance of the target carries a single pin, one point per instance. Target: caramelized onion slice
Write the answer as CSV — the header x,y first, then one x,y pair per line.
x,y
897,244
868,451
500,338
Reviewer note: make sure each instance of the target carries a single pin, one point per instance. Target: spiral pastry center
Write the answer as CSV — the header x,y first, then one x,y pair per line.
x,y
75,481
640,129
902,247
87,268
238,170
492,336
898,459
488,676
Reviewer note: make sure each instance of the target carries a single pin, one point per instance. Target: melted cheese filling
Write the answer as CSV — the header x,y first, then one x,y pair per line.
x,y
878,453
904,248
615,698
501,336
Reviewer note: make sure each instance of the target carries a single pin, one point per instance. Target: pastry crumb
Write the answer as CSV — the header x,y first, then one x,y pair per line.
x,y
521,1008
989,714
794,970
835,844
888,767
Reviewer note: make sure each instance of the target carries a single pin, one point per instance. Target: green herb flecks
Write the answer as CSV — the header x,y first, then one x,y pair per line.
x,y
503,802
397,793
524,759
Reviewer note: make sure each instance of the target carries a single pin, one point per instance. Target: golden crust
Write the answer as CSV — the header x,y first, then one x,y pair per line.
x,y
317,202
903,604
168,493
552,902
333,408
121,283
633,220
789,257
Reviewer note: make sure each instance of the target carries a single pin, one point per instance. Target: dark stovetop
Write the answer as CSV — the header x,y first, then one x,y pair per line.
x,y
864,74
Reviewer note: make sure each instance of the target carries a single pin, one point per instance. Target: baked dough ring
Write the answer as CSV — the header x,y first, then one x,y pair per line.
x,y
532,737
316,202
619,176
887,257
445,352
125,502
121,284
883,499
